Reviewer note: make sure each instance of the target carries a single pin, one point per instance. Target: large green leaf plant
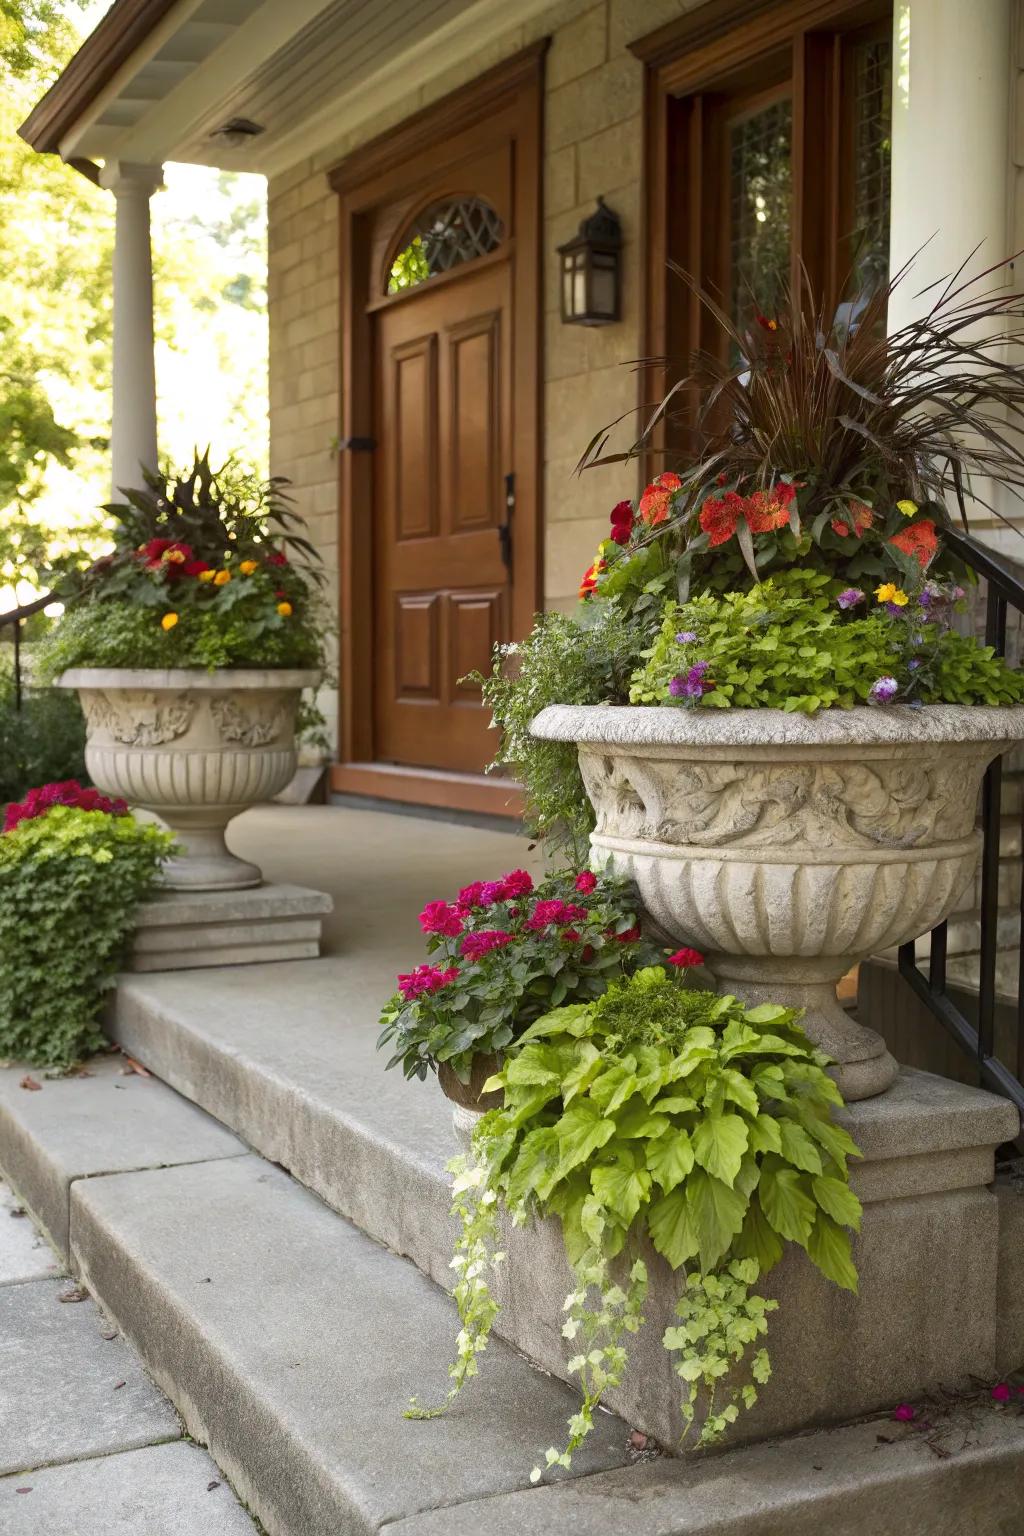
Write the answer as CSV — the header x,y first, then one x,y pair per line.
x,y
658,1115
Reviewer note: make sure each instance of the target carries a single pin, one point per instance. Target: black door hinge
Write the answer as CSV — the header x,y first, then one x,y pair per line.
x,y
505,530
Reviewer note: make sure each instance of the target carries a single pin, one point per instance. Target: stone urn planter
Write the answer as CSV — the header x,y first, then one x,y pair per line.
x,y
788,847
194,747
468,1100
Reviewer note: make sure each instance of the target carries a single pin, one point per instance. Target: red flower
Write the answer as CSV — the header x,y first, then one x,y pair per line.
x,y
570,935
766,324
439,917
919,540
590,575
517,883
655,499
762,512
629,937
622,522
67,792
277,558
166,554
588,954
474,945
195,567
425,978
686,957
862,516
469,896
547,912
586,882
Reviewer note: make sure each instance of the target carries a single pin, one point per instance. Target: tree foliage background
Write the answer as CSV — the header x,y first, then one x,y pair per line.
x,y
56,247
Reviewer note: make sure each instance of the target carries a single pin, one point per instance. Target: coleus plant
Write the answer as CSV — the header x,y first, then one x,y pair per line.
x,y
658,1114
501,954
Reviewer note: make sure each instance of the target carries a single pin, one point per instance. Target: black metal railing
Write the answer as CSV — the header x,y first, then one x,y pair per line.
x,y
14,619
999,1068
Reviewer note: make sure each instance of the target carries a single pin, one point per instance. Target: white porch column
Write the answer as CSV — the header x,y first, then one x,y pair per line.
x,y
950,141
133,432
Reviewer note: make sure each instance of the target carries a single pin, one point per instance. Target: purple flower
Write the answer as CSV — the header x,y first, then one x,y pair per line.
x,y
913,665
895,610
692,684
686,637
850,598
884,690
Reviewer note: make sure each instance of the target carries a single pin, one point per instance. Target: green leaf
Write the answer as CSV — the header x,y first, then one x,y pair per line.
x,y
581,1130
765,1135
637,1121
671,1228
675,1104
740,1090
579,1077
534,1066
538,1158
785,1201
574,1019
622,1190
829,1248
717,1213
615,1086
839,1200
838,1143
757,1240
798,1148
719,1142
670,1159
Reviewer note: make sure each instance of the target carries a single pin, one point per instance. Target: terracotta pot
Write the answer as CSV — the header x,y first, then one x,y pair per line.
x,y
194,747
469,1095
789,847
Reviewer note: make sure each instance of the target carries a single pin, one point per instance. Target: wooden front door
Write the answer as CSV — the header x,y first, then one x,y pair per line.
x,y
443,485
439,548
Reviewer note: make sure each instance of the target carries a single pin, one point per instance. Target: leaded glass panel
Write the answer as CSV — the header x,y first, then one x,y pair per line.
x,y
448,233
760,208
872,157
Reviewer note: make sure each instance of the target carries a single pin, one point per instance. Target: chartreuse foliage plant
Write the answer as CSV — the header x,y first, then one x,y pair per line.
x,y
788,645
69,882
671,1116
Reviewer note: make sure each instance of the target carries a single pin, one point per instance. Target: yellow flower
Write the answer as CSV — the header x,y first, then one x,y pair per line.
x,y
248,566
207,575
908,508
284,609
173,557
889,592
221,578
168,621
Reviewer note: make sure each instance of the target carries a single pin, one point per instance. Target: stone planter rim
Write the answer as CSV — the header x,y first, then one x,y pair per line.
x,y
197,678
657,725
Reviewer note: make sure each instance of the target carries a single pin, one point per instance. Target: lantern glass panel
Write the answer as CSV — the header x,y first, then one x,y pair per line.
x,y
603,285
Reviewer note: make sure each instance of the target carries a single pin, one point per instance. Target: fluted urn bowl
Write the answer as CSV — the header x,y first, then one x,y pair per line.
x,y
196,748
788,847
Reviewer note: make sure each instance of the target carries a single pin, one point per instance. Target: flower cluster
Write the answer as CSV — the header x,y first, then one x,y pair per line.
x,y
692,685
762,512
502,953
68,792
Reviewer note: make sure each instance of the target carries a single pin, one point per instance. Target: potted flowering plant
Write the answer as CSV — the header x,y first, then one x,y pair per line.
x,y
190,644
503,953
791,771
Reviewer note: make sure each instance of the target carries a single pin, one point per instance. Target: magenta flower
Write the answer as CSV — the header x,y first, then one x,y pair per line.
x,y
690,685
1001,1393
470,895
517,883
439,917
475,945
884,690
850,597
586,882
904,1413
683,958
425,978
547,912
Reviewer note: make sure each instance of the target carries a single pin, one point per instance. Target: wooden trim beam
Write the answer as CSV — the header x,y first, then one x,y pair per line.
x,y
427,786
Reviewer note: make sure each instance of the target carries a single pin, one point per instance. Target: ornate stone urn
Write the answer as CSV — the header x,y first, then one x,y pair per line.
x,y
194,747
789,847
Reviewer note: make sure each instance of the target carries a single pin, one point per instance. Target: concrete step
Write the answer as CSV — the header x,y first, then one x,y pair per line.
x,y
288,1341
290,1064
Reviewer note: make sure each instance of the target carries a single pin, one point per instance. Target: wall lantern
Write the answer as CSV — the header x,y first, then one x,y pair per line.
x,y
591,290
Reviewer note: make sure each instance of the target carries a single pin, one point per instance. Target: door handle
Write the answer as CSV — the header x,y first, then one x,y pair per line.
x,y
505,529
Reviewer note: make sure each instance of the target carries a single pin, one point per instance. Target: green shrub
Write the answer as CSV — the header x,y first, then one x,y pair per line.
x,y
42,742
787,645
69,882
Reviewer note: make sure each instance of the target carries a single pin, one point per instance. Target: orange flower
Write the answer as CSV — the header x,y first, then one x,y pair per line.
x,y
248,566
168,621
654,502
221,578
762,512
589,583
919,540
207,575
285,610
862,516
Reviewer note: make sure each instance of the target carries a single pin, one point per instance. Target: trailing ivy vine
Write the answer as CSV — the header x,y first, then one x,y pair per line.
x,y
671,1116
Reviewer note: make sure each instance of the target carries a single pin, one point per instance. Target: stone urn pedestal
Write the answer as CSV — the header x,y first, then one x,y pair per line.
x,y
789,847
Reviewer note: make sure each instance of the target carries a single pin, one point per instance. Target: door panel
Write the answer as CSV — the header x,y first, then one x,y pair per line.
x,y
441,588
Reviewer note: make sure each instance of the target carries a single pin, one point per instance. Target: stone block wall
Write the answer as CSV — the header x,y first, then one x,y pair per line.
x,y
593,144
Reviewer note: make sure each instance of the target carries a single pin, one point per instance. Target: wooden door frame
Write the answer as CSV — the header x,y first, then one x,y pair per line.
x,y
506,103
689,55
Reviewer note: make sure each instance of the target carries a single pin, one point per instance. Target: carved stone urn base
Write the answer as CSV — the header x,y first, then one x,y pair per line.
x,y
786,847
195,748
862,1064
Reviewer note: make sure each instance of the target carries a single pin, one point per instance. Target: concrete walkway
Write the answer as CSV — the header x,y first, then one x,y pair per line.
x,y
88,1446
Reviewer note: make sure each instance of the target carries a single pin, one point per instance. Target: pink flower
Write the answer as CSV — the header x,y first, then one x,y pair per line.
x,y
586,882
66,792
517,883
492,891
1001,1393
545,913
685,957
570,936
474,945
904,1413
439,917
629,937
470,895
425,978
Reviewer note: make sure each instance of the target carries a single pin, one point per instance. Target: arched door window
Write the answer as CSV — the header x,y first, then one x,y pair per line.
x,y
446,234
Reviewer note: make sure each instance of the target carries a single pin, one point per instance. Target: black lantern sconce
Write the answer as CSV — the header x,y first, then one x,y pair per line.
x,y
591,262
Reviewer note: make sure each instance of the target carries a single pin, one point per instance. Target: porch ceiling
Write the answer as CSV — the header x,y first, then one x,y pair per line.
x,y
156,81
